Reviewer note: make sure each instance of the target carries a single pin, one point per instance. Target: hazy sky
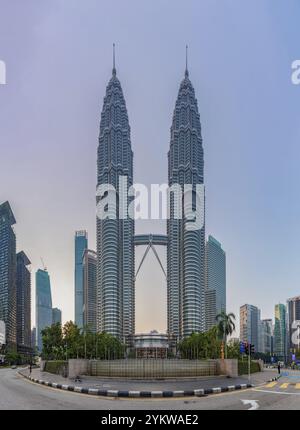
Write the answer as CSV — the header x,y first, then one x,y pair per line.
x,y
59,58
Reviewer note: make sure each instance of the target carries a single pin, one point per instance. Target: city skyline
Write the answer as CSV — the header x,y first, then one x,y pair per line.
x,y
250,206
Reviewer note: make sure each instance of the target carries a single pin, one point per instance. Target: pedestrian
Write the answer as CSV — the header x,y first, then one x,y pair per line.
x,y
278,367
30,368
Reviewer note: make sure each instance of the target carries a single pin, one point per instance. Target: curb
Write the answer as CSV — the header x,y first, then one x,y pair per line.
x,y
140,394
275,379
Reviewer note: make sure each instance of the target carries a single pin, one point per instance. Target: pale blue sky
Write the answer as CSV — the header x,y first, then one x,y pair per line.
x,y
58,56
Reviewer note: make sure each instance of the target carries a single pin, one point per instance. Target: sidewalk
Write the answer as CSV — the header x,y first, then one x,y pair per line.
x,y
162,388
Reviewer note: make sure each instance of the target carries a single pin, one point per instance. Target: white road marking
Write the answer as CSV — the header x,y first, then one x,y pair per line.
x,y
275,392
254,404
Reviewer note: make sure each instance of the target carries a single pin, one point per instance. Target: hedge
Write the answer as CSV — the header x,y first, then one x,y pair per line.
x,y
56,367
243,367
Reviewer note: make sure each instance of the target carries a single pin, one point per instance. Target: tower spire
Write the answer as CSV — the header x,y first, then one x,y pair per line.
x,y
186,61
114,71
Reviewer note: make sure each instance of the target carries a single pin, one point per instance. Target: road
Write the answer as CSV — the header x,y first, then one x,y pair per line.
x,y
18,393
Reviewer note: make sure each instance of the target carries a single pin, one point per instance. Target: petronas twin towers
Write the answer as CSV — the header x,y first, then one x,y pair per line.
x,y
116,237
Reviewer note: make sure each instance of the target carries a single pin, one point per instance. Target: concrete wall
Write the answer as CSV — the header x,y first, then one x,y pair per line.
x,y
228,367
78,367
42,365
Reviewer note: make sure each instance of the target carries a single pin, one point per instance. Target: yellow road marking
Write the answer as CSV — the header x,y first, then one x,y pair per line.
x,y
271,384
285,385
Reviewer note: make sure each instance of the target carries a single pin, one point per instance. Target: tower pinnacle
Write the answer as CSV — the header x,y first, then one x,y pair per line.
x,y
186,61
114,71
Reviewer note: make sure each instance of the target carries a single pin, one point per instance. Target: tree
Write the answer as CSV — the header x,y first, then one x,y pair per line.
x,y
72,340
201,345
52,342
226,326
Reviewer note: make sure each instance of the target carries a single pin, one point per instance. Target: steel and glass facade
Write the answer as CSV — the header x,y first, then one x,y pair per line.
x,y
90,290
81,244
280,332
23,302
249,325
56,316
215,279
8,270
186,249
43,304
115,237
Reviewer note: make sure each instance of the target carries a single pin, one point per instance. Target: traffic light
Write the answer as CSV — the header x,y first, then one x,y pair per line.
x,y
242,347
246,348
252,349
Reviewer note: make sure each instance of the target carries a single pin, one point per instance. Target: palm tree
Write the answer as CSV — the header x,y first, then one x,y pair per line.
x,y
226,326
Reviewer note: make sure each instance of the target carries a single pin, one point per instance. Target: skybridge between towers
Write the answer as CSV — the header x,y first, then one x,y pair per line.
x,y
151,241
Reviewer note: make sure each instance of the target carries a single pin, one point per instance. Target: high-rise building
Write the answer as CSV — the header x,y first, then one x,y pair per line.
x,y
293,310
115,237
56,316
81,244
249,325
266,335
186,248
23,303
8,269
90,290
43,304
215,279
33,339
210,309
280,331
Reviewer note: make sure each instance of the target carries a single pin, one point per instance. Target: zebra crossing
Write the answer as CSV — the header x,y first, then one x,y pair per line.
x,y
283,385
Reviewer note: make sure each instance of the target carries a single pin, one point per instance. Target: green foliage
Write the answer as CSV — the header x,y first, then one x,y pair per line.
x,y
56,367
233,350
201,345
243,367
63,343
226,326
52,342
13,358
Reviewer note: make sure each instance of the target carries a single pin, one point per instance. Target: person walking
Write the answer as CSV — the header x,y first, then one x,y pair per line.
x,y
278,367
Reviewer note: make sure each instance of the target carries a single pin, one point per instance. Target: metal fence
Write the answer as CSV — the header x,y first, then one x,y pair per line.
x,y
152,368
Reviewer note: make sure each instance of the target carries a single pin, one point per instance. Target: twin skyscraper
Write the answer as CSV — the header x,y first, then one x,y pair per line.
x,y
116,237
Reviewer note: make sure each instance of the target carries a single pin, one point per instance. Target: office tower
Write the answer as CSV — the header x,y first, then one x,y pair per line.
x,y
293,309
2,334
215,277
210,309
56,316
266,334
280,329
115,237
8,268
81,244
90,290
43,304
33,338
186,248
23,303
249,325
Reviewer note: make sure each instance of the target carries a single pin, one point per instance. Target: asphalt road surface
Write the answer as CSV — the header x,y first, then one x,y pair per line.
x,y
18,393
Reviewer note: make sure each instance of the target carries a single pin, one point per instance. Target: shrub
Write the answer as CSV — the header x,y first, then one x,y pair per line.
x,y
57,367
243,367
